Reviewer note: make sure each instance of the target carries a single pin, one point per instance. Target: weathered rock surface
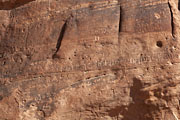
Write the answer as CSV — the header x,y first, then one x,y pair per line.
x,y
89,60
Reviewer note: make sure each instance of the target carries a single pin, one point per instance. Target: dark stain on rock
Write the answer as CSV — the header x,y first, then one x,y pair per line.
x,y
4,92
1,98
12,4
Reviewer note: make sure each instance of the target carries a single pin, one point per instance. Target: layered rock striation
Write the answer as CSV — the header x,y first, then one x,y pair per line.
x,y
89,60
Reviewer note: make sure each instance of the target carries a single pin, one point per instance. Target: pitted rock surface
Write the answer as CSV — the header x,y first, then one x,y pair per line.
x,y
89,60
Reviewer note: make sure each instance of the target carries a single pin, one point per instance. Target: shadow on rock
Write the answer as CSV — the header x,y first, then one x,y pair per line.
x,y
137,110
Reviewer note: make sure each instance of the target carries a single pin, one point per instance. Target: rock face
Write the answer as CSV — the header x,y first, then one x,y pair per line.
x,y
89,60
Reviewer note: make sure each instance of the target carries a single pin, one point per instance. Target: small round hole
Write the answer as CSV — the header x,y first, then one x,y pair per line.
x,y
159,44
147,68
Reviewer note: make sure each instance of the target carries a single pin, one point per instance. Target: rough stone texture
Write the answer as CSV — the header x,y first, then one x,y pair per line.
x,y
89,60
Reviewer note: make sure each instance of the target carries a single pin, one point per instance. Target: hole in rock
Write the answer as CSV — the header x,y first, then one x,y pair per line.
x,y
159,44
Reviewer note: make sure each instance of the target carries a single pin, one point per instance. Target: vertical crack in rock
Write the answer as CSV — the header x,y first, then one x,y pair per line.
x,y
120,19
172,20
120,23
61,36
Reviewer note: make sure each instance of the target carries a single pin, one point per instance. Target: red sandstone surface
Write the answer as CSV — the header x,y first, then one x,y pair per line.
x,y
89,60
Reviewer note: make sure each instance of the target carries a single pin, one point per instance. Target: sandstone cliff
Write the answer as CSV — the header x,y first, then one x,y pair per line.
x,y
89,60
